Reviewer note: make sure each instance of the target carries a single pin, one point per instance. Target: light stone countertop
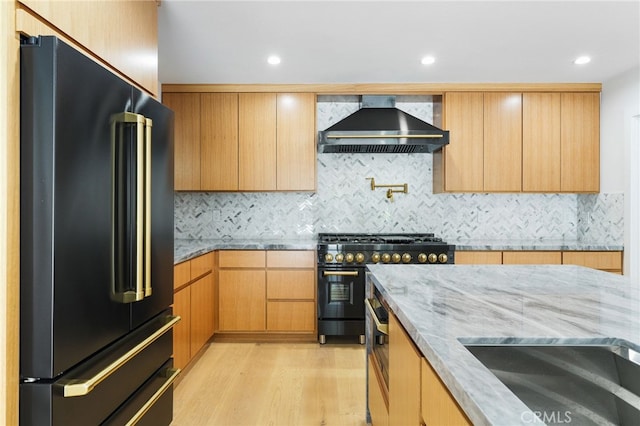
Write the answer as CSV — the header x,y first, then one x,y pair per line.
x,y
444,306
187,249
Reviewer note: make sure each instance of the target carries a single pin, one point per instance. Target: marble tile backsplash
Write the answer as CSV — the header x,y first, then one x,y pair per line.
x,y
344,201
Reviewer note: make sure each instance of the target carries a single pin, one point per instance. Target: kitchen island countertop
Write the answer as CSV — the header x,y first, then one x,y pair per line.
x,y
443,307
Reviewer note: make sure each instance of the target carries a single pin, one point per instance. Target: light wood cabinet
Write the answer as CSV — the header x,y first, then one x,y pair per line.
x,y
438,406
257,115
580,142
219,142
186,107
244,141
520,142
478,258
609,261
532,258
502,142
541,142
193,301
461,162
122,34
267,291
182,330
404,376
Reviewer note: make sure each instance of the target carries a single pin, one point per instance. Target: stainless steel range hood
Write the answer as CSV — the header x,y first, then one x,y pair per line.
x,y
379,127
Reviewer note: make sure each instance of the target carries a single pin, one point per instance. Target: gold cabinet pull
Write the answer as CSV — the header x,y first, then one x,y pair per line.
x,y
340,273
171,374
81,387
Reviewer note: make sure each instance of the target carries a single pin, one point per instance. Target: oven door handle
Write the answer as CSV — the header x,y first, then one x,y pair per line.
x,y
340,273
382,327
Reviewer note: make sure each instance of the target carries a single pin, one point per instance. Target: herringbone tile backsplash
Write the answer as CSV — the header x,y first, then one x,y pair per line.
x,y
344,202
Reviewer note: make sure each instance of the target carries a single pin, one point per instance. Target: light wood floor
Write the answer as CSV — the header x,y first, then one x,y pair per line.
x,y
273,384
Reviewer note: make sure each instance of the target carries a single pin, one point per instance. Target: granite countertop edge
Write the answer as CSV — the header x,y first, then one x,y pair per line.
x,y
188,249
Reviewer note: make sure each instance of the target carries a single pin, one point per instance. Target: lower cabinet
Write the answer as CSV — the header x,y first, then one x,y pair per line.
x,y
267,292
377,402
609,261
438,406
404,376
193,301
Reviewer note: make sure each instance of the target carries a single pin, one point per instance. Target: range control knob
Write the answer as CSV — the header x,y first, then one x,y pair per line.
x,y
432,258
339,257
328,257
422,258
386,257
443,258
375,257
349,257
359,257
396,258
406,258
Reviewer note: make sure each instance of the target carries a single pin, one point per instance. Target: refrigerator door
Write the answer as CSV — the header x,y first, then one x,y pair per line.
x,y
67,309
161,211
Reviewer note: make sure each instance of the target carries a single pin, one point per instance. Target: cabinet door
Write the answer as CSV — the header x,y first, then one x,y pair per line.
x,y
502,142
291,316
610,261
438,405
201,312
532,258
219,161
291,284
296,142
541,142
186,107
257,141
241,300
378,407
580,142
463,164
404,377
182,330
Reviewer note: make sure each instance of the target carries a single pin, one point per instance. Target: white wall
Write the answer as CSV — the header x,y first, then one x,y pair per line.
x,y
620,156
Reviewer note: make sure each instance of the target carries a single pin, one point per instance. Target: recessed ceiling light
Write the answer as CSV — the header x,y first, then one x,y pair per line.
x,y
581,60
273,60
428,60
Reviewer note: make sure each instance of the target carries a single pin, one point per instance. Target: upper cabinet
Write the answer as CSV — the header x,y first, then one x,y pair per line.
x,y
121,34
520,142
244,141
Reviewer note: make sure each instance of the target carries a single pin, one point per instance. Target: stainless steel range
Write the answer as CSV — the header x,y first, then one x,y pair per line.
x,y
342,260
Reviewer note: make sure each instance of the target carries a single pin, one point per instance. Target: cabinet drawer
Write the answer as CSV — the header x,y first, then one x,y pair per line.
x,y
291,284
609,260
201,265
478,257
291,316
532,258
241,259
181,274
291,258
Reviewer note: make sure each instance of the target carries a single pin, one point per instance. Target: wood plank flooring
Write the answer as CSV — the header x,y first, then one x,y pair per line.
x,y
278,384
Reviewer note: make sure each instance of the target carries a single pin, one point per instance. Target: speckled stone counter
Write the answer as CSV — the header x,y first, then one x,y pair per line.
x,y
543,245
445,306
187,249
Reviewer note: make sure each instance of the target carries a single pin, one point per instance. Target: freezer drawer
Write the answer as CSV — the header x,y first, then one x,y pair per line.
x,y
86,395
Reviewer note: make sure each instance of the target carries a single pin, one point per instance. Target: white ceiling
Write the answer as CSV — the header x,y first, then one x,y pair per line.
x,y
383,41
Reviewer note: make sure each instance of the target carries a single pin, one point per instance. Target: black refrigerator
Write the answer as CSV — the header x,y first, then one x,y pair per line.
x,y
96,250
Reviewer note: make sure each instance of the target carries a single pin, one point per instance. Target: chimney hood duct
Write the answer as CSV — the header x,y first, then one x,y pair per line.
x,y
379,127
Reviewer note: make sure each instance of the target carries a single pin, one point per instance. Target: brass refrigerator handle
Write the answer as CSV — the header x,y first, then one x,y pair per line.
x,y
172,374
147,208
340,273
81,387
382,328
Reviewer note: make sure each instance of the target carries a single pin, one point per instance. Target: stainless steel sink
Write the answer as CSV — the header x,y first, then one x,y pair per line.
x,y
580,385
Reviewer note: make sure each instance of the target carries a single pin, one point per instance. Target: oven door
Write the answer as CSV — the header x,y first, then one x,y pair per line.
x,y
341,293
